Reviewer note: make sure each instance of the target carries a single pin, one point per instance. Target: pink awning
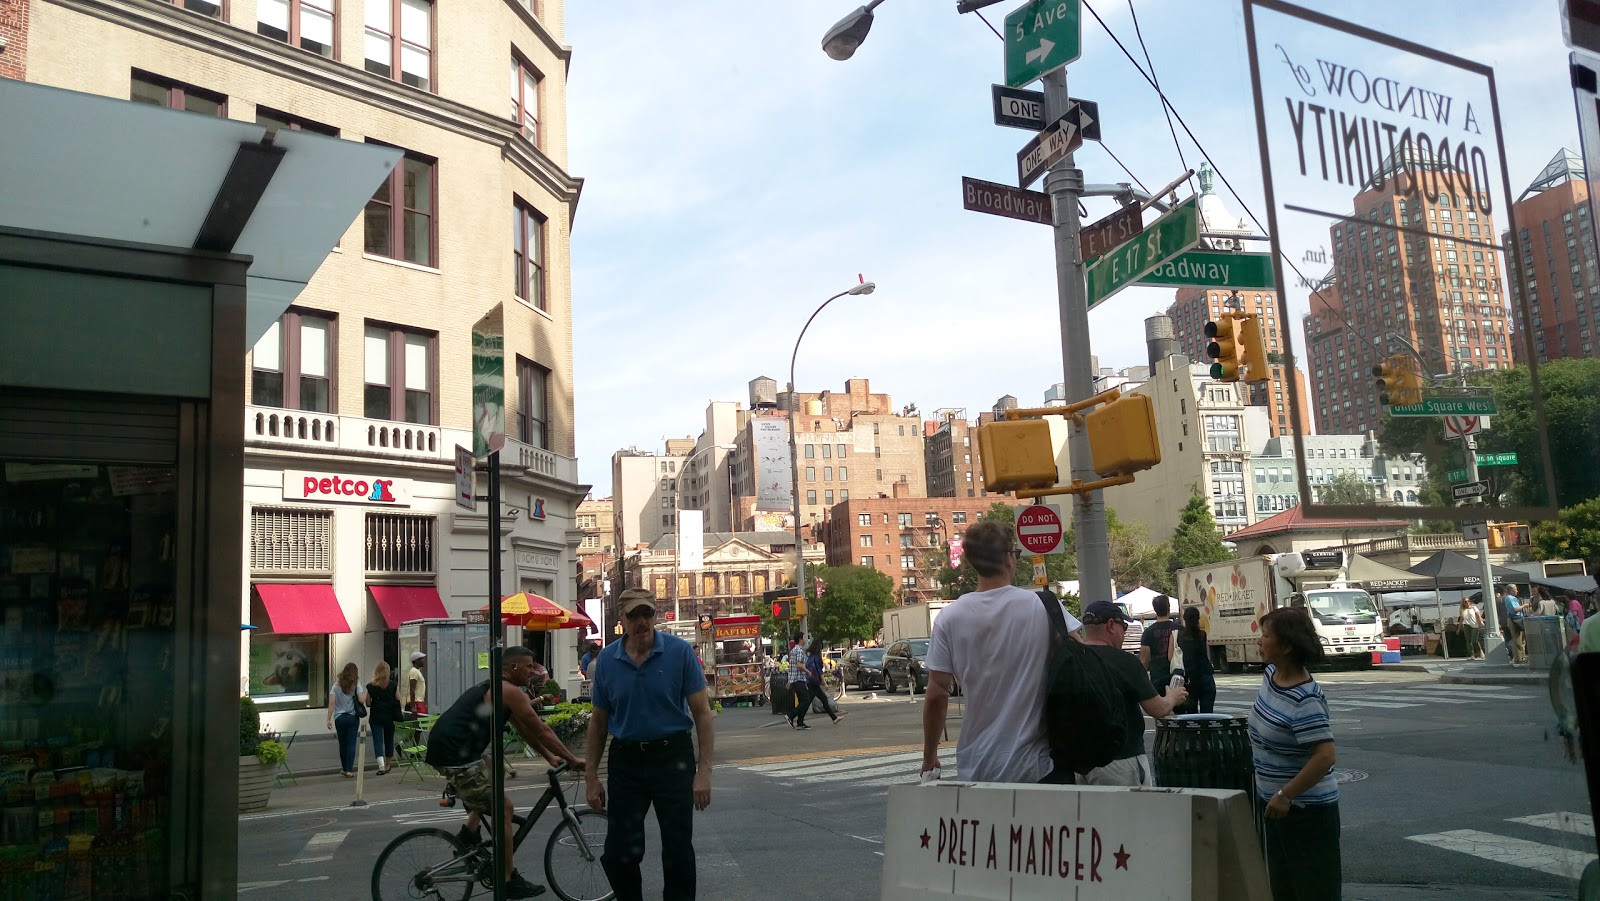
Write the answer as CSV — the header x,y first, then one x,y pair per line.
x,y
405,603
302,609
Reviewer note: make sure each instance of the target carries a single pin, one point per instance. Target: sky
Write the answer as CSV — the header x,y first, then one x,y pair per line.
x,y
735,177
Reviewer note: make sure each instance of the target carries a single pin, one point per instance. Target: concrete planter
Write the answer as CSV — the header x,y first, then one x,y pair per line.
x,y
255,783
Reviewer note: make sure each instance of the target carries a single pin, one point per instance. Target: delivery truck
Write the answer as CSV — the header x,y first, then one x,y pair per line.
x,y
911,621
1235,594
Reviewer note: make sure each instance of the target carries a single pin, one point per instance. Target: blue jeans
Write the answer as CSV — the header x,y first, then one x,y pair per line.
x,y
347,727
662,775
382,739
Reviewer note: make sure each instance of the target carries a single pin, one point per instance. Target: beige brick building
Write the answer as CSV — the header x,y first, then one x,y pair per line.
x,y
367,380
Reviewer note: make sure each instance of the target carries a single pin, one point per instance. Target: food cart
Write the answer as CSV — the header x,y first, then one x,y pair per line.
x,y
734,641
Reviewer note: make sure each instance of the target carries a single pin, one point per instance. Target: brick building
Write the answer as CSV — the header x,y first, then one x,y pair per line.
x,y
1557,245
899,536
950,455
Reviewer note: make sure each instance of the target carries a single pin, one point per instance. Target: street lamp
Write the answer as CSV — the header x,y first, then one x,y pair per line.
x,y
865,287
847,34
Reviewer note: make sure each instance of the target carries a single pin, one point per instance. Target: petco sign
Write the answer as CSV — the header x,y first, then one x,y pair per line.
x,y
342,488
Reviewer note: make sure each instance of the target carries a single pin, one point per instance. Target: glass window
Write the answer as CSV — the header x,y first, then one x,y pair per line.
x,y
399,220
408,50
905,520
841,452
866,560
528,236
844,473
398,370
827,471
307,24
811,498
811,473
525,82
533,383
158,91
291,366
827,451
810,451
827,497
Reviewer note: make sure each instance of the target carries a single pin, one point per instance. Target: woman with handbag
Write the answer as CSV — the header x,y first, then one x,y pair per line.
x,y
383,700
1471,620
347,707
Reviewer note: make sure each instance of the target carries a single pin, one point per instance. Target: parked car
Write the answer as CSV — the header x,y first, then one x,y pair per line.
x,y
905,663
863,668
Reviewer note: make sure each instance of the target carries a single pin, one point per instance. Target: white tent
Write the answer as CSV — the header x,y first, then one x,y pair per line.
x,y
1139,602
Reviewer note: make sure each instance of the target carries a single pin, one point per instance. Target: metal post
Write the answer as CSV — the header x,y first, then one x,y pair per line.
x,y
1491,606
497,638
1064,184
794,466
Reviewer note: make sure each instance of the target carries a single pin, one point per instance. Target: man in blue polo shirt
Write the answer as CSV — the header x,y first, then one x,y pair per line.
x,y
648,692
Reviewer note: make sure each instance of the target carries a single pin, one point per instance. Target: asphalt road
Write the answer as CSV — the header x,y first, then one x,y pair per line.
x,y
1442,785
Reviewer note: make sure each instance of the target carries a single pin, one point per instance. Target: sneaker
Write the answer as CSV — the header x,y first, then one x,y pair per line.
x,y
838,718
791,723
468,837
518,887
803,726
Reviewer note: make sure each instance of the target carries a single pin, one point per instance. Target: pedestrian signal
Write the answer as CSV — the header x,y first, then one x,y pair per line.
x,y
1122,436
1017,454
783,610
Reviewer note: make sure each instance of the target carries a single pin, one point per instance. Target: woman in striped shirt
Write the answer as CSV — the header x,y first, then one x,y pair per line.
x,y
1292,745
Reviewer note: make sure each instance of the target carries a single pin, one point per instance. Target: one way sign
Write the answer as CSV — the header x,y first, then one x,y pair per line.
x,y
1058,139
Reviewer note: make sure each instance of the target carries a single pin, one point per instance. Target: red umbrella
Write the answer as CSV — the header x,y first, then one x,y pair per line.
x,y
532,611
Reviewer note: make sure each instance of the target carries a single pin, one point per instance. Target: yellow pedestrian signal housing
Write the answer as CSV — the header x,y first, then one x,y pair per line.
x,y
1509,535
799,608
1397,383
1254,349
1122,436
1017,454
783,610
1223,349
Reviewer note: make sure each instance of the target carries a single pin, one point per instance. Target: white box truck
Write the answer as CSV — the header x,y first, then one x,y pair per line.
x,y
1235,594
911,621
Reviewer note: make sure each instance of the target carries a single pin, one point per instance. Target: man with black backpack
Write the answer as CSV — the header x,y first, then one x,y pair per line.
x,y
1104,624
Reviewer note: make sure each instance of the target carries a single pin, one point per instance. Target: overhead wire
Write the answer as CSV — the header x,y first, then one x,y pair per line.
x,y
1182,163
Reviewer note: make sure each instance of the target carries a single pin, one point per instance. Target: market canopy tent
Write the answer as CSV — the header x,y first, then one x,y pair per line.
x,y
1579,584
1376,577
1455,571
1140,601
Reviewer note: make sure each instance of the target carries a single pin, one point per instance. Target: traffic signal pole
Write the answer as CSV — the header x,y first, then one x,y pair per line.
x,y
1064,184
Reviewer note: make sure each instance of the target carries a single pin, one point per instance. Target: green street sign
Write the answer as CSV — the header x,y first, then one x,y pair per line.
x,y
489,383
1215,269
1041,37
1497,459
1448,406
1456,475
1161,241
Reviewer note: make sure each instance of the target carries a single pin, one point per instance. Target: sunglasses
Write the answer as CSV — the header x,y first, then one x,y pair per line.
x,y
641,613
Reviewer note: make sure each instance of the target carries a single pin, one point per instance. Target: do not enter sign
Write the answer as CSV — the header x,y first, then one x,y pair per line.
x,y
1039,529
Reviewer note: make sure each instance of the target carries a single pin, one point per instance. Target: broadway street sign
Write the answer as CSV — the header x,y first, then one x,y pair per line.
x,y
1448,406
1164,239
1057,141
1041,37
1215,269
1004,200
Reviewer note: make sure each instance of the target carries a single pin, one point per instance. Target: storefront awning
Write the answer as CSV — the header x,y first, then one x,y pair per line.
x,y
101,167
403,603
302,609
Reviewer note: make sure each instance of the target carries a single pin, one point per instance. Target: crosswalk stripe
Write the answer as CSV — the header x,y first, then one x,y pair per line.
x,y
947,775
1425,698
901,768
1516,852
789,764
1356,705
1565,821
837,766
321,847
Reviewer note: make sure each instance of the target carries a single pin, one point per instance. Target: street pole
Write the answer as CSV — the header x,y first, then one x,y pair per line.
x,y
497,638
794,467
1491,612
1064,184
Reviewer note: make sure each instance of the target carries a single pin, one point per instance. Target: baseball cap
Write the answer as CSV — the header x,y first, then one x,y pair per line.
x,y
1101,612
634,598
417,655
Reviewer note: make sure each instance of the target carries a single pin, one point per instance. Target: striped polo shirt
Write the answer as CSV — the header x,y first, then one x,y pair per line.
x,y
1285,724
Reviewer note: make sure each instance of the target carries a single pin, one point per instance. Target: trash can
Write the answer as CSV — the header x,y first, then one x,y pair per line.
x,y
778,691
1545,638
1206,750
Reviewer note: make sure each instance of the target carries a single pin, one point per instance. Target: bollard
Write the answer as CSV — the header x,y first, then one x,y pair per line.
x,y
361,762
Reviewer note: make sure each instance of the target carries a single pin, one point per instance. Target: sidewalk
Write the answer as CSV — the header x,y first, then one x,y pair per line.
x,y
1366,892
1494,671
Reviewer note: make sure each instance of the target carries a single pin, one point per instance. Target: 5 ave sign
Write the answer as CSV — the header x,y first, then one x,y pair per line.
x,y
1053,144
1041,37
1172,234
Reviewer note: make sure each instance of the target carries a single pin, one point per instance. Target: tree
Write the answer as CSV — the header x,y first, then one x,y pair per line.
x,y
956,581
1573,535
1347,488
1196,541
852,602
1135,560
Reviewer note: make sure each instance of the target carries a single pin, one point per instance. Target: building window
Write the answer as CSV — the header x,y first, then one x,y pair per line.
x,y
827,471
213,10
827,498
525,82
276,121
827,451
292,364
291,542
399,372
866,560
844,494
307,24
158,91
811,473
905,539
844,473
528,252
841,452
533,386
864,519
908,561
400,220
866,541
908,581
959,517
399,543
810,451
811,497
407,49
904,520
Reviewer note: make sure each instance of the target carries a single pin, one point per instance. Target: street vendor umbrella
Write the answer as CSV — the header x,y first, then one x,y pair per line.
x,y
532,611
577,620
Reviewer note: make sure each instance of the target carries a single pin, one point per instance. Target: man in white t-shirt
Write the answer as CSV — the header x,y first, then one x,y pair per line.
x,y
996,642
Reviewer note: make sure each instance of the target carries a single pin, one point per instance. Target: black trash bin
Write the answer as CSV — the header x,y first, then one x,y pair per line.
x,y
1206,750
778,691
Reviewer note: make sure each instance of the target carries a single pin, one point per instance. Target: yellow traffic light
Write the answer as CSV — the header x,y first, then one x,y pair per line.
x,y
1223,349
1413,382
1509,535
1122,436
800,606
1254,349
1017,454
1397,383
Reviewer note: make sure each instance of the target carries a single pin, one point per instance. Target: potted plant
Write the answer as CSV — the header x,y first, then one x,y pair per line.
x,y
570,723
259,757
553,688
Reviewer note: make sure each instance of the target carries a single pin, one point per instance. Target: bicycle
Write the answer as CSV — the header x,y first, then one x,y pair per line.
x,y
433,863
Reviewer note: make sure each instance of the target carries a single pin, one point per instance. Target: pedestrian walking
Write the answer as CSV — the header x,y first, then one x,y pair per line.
x,y
458,747
1199,676
799,687
1471,620
383,705
415,694
1291,743
1547,605
648,694
1104,626
1159,644
343,698
1516,635
814,682
996,642
1574,618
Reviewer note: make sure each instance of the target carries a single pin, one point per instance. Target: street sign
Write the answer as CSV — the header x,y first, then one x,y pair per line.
x,y
1215,269
1041,37
1462,426
1497,459
1111,232
1456,475
1469,490
1475,531
1448,405
1039,529
1022,108
464,497
1054,143
1041,575
1003,200
1172,234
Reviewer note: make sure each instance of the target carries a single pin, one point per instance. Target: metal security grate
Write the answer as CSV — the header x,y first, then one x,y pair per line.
x,y
291,541
399,543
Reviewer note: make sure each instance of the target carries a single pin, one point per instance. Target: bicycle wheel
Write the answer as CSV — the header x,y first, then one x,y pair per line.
x,y
423,863
833,682
573,867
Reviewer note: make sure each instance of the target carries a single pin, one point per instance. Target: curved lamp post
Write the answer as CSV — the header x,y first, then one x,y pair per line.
x,y
847,34
794,449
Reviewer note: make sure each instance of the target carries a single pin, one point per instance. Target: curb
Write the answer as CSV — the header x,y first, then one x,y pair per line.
x,y
1535,679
